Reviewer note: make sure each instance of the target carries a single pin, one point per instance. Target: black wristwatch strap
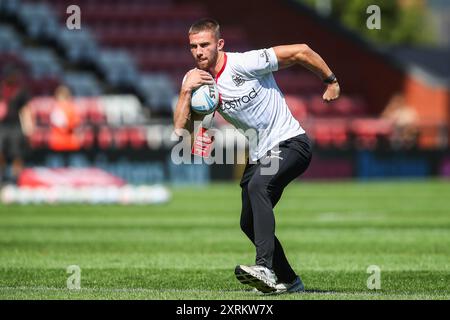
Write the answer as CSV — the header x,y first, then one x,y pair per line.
x,y
331,79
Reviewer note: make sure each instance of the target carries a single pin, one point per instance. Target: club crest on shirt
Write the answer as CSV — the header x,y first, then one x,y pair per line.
x,y
238,81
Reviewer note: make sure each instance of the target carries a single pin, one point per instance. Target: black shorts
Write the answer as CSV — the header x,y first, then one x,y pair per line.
x,y
296,151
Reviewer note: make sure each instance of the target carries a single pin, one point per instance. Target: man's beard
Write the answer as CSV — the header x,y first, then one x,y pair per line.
x,y
210,63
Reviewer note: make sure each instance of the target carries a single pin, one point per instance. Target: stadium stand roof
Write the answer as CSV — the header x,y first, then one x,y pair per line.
x,y
432,65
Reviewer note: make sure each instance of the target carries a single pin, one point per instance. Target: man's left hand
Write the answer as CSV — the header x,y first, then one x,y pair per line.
x,y
332,92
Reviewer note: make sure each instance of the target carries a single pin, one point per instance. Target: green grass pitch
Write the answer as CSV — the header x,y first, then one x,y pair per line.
x,y
188,248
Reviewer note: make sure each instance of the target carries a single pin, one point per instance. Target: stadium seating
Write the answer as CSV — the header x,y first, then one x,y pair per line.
x,y
9,40
117,118
118,68
38,20
87,138
43,62
368,131
82,83
298,82
137,137
331,133
121,110
79,46
105,138
157,90
297,106
43,86
9,8
40,67
13,60
139,47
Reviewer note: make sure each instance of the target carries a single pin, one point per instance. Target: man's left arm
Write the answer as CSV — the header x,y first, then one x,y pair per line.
x,y
302,54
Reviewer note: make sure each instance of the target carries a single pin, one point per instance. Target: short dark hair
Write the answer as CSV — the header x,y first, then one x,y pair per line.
x,y
204,25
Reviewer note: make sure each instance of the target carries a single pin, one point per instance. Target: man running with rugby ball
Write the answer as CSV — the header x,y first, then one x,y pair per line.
x,y
251,100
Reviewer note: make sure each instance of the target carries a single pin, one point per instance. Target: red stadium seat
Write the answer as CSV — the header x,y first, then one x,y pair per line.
x,y
96,114
339,133
121,137
137,137
349,106
319,108
329,132
367,131
87,137
105,138
322,135
297,105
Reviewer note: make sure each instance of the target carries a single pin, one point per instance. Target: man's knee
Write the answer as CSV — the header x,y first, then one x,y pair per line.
x,y
256,185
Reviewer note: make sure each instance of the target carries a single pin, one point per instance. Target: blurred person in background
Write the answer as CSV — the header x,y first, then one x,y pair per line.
x,y
404,120
13,145
64,120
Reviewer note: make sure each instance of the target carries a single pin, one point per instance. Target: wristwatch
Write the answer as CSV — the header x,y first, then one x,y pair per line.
x,y
331,79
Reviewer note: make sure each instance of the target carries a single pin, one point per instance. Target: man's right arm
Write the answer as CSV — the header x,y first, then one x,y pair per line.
x,y
182,115
26,120
302,54
183,118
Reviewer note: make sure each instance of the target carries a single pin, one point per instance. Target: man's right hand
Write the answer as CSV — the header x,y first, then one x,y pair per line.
x,y
196,78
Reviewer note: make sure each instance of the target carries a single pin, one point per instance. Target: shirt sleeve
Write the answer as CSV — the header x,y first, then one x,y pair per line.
x,y
257,62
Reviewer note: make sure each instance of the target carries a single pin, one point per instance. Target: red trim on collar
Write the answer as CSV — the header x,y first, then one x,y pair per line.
x,y
223,67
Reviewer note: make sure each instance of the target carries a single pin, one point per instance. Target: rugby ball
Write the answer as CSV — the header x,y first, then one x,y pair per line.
x,y
205,99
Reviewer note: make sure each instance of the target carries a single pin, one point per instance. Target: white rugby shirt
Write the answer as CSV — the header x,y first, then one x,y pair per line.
x,y
252,102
